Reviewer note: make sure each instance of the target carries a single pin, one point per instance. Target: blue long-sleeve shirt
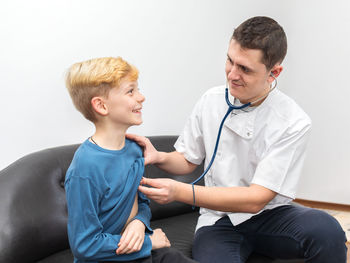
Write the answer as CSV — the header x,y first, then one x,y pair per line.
x,y
100,189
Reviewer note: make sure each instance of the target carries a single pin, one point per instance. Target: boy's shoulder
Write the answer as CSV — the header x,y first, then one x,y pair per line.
x,y
84,159
89,157
133,148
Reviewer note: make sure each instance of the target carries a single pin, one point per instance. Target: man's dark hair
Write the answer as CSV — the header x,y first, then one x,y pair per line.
x,y
265,34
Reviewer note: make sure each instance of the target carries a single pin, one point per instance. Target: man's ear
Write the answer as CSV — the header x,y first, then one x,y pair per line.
x,y
275,72
99,106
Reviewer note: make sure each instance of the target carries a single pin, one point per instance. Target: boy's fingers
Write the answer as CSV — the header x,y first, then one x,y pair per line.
x,y
124,242
122,248
130,246
121,240
124,236
140,245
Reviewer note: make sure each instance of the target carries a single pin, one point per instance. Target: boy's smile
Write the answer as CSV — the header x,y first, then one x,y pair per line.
x,y
124,104
137,110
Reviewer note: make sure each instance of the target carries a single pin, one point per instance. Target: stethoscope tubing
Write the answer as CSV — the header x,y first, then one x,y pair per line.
x,y
216,147
231,107
229,110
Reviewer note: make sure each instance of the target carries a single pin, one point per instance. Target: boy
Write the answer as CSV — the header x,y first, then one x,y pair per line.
x,y
108,219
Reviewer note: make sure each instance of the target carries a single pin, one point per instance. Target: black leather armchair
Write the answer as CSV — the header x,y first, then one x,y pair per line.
x,y
33,213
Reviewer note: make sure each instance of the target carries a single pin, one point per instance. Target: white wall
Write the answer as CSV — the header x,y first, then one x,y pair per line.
x,y
179,46
318,78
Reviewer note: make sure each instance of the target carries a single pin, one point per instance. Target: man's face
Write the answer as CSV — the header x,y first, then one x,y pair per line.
x,y
246,75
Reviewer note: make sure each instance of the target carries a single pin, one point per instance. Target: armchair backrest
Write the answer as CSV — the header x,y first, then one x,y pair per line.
x,y
33,213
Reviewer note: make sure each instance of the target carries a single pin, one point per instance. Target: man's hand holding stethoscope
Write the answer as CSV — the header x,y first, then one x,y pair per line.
x,y
161,190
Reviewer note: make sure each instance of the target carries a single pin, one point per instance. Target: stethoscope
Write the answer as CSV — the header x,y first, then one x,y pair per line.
x,y
231,107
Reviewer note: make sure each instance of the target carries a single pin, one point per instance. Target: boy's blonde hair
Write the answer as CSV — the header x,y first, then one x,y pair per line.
x,y
96,77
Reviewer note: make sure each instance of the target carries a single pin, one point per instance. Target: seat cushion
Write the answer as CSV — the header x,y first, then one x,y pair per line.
x,y
179,230
64,256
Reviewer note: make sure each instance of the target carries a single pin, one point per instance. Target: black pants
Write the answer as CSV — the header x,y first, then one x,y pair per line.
x,y
285,232
164,255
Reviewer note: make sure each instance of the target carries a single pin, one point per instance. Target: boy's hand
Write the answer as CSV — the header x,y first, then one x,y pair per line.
x,y
159,239
150,153
132,238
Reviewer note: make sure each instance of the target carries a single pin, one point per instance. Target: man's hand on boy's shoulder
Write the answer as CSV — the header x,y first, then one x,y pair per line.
x,y
150,153
132,238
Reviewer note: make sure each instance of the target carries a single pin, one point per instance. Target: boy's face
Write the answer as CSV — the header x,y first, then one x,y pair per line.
x,y
246,75
124,104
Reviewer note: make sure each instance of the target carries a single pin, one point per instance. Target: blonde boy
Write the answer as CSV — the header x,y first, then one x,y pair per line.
x,y
108,219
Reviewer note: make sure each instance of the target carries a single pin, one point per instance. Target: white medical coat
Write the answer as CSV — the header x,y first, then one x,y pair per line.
x,y
265,146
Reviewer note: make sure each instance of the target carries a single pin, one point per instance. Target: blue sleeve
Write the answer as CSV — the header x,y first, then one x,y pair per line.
x,y
144,211
87,239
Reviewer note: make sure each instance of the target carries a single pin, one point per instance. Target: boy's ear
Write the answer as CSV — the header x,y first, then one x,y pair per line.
x,y
99,106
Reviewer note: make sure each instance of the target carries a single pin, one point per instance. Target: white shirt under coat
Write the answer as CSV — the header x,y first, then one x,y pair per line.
x,y
264,146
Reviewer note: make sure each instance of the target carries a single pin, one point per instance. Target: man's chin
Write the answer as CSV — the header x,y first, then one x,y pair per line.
x,y
235,93
238,96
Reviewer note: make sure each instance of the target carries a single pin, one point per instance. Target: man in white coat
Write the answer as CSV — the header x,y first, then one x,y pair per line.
x,y
246,201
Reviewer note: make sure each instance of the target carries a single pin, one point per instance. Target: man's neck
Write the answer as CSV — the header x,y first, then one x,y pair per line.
x,y
108,138
260,98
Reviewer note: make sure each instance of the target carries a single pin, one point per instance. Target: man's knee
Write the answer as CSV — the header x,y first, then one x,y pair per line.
x,y
323,226
323,235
